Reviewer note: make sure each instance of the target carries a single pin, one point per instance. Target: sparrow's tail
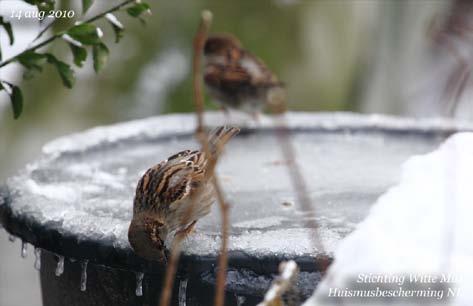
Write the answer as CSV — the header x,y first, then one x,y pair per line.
x,y
218,137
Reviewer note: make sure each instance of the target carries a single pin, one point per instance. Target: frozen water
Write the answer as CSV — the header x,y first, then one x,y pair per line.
x,y
11,238
37,259
139,283
182,295
421,226
83,275
24,246
60,266
84,183
240,300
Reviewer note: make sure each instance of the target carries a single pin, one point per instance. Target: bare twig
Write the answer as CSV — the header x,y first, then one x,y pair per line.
x,y
44,30
171,271
223,259
296,177
288,273
58,35
199,41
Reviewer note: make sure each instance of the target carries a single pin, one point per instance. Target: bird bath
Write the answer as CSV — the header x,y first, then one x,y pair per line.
x,y
75,203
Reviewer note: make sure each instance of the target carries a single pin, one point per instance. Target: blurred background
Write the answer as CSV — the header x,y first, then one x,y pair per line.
x,y
409,58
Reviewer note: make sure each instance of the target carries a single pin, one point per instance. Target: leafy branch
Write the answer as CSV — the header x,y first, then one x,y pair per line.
x,y
78,37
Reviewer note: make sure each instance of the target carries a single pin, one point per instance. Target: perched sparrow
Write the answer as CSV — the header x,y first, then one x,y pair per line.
x,y
237,79
166,192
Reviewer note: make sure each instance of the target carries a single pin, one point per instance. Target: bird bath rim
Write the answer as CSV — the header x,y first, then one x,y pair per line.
x,y
183,125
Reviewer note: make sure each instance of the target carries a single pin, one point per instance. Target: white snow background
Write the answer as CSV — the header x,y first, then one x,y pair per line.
x,y
423,225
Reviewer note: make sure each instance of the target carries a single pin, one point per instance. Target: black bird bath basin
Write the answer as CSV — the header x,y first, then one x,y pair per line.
x,y
74,204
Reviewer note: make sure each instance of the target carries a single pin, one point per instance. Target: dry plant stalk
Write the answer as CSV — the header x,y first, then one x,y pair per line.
x,y
288,273
223,258
171,271
448,33
295,175
199,42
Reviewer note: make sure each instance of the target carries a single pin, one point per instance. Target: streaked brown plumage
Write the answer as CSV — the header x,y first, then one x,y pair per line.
x,y
166,191
237,79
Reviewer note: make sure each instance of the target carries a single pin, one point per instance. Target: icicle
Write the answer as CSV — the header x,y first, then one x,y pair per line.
x,y
240,300
139,283
11,238
23,248
83,276
60,266
182,292
37,259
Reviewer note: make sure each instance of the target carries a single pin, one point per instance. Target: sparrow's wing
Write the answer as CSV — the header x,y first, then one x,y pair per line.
x,y
152,183
227,77
261,75
182,198
145,185
182,178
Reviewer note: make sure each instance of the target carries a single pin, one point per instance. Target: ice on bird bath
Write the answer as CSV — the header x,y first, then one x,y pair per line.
x,y
139,283
24,246
83,186
37,259
182,295
83,276
240,300
420,227
59,266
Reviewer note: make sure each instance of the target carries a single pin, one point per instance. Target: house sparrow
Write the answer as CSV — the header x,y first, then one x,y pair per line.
x,y
237,79
166,192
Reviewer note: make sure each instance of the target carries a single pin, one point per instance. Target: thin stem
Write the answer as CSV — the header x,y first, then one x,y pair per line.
x,y
171,271
198,99
199,42
223,258
111,10
44,30
278,106
55,36
300,187
47,41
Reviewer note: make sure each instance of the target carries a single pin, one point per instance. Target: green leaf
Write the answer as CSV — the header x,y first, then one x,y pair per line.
x,y
7,26
138,9
31,60
64,70
116,26
28,74
16,99
79,54
85,33
100,55
86,4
